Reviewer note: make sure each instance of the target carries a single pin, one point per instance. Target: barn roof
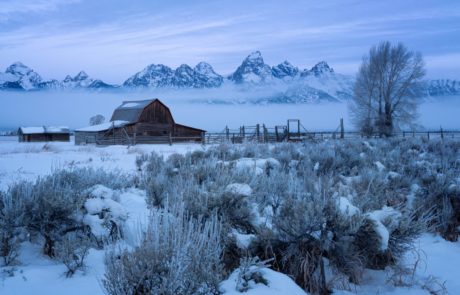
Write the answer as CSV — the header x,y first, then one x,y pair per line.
x,y
131,110
44,130
103,126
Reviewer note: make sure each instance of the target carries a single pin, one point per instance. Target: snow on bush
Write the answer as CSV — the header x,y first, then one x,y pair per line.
x,y
346,208
385,220
303,203
334,207
49,211
239,189
178,255
253,277
104,215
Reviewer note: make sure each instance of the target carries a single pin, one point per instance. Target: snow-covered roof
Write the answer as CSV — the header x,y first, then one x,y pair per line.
x,y
137,104
44,129
104,126
131,110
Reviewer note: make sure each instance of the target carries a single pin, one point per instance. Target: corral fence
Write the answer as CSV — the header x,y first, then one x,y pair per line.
x,y
294,131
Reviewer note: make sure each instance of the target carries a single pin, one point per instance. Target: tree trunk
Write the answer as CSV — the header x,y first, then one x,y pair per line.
x,y
48,248
388,123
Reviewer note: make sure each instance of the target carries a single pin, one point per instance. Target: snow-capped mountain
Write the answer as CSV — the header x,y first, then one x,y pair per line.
x,y
151,76
20,77
319,70
285,70
252,70
202,76
206,76
82,80
284,83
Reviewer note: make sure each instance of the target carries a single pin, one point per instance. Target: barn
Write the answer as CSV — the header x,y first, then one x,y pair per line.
x,y
44,133
136,122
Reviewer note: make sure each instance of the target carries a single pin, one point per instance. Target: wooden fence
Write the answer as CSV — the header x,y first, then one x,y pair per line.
x,y
295,131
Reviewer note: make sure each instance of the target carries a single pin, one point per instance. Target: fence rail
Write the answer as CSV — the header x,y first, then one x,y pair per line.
x,y
270,137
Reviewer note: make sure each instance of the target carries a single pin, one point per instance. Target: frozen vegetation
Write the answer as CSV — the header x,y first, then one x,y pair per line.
x,y
342,217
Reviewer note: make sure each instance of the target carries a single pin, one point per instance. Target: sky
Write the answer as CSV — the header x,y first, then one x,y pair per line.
x,y
113,39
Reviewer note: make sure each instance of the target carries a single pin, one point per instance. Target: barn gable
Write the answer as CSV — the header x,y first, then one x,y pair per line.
x,y
147,111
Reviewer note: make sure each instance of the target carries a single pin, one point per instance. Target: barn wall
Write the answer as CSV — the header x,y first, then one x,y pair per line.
x,y
156,112
60,137
152,129
180,130
85,137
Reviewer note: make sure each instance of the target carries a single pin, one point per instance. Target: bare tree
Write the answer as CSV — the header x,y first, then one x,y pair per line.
x,y
386,89
96,120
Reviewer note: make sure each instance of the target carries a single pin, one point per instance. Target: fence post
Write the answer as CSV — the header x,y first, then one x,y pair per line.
x,y
244,135
170,138
203,138
428,133
442,134
227,134
342,129
276,134
265,133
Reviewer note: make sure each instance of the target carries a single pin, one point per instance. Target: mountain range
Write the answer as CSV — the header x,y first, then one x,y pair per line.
x,y
319,83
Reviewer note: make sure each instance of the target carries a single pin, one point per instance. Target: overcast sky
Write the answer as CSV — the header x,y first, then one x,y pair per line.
x,y
113,39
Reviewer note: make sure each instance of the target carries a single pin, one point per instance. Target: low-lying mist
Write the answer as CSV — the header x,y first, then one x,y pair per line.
x,y
193,107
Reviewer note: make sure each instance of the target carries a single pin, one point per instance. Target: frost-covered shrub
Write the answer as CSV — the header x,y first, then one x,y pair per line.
x,y
317,201
234,208
72,251
249,273
52,206
140,160
178,255
11,228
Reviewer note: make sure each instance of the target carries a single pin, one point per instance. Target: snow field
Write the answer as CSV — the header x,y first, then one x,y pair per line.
x,y
436,260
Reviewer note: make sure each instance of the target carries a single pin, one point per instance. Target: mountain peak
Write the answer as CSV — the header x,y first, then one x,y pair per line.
x,y
322,67
81,76
19,69
285,69
252,70
203,67
255,55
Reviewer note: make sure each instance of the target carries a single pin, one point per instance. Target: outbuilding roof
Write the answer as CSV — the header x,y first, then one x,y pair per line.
x,y
104,126
44,130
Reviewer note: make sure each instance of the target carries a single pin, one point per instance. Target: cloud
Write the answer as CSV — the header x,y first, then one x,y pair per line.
x,y
112,39
10,8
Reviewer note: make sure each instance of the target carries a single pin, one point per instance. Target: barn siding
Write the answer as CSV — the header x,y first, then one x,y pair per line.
x,y
156,112
43,137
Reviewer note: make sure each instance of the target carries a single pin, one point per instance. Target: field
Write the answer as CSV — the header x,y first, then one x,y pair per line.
x,y
377,217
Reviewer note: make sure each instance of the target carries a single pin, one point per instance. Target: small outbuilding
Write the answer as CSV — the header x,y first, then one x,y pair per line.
x,y
143,121
44,133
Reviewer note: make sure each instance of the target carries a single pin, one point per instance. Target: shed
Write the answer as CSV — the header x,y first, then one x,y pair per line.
x,y
43,133
142,121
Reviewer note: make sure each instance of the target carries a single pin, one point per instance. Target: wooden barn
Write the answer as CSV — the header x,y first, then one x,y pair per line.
x,y
44,133
144,121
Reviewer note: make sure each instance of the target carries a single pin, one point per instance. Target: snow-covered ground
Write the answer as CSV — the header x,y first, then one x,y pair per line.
x,y
437,262
20,161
